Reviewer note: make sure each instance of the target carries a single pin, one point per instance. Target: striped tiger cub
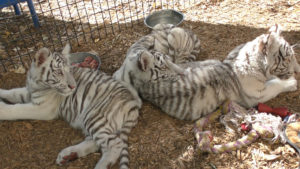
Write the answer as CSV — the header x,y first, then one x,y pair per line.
x,y
182,45
179,44
253,72
105,109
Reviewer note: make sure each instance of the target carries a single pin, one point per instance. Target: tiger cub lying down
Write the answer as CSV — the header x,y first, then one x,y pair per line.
x,y
105,109
256,71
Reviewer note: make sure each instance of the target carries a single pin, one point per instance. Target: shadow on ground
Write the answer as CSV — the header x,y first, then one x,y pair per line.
x,y
158,139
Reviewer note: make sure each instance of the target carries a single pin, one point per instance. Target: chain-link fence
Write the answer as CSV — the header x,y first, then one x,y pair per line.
x,y
26,25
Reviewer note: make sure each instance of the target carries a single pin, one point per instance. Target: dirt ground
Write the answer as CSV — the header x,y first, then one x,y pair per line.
x,y
159,140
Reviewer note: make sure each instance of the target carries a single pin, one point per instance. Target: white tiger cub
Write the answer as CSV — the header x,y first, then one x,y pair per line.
x,y
182,45
179,44
265,66
104,108
252,73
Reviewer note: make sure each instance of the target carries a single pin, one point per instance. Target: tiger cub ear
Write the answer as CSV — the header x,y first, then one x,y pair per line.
x,y
145,60
276,29
41,56
269,43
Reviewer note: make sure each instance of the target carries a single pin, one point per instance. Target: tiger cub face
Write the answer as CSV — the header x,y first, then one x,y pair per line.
x,y
147,66
53,70
279,53
152,65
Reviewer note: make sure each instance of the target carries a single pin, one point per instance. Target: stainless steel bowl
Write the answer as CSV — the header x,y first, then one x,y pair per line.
x,y
168,16
80,56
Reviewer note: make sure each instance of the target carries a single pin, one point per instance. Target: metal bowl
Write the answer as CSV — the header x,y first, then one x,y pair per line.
x,y
168,16
80,56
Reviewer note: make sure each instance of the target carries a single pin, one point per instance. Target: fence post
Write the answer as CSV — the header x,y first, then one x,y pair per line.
x,y
33,14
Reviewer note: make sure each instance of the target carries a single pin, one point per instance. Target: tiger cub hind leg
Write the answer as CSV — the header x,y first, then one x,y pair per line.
x,y
82,149
112,148
114,145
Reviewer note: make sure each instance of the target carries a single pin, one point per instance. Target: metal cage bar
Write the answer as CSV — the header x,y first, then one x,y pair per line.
x,y
53,23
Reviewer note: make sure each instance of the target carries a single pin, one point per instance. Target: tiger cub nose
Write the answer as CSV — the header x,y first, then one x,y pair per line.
x,y
71,86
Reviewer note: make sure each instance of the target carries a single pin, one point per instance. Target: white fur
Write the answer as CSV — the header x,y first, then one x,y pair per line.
x,y
48,95
248,75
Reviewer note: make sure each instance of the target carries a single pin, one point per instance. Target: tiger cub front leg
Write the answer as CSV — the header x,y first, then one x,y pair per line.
x,y
13,96
175,68
28,111
276,86
71,153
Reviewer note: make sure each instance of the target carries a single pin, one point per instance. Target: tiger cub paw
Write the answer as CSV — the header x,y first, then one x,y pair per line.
x,y
65,156
291,84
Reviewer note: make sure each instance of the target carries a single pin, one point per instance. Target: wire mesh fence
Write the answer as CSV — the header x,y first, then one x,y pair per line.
x,y
27,25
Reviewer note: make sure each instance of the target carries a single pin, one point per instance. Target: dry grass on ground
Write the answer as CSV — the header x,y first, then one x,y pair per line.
x,y
158,140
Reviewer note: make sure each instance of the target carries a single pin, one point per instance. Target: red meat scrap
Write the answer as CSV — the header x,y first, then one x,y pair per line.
x,y
88,62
